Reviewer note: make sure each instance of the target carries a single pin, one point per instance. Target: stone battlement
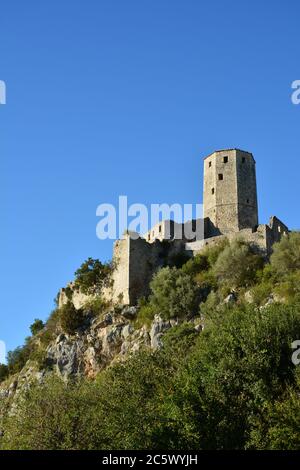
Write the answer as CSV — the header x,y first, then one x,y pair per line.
x,y
230,210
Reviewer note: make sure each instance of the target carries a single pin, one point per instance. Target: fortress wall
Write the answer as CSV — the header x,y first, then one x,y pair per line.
x,y
78,298
120,289
145,259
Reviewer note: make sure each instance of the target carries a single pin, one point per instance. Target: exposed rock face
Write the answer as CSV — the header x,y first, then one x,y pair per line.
x,y
101,342
106,340
231,298
158,328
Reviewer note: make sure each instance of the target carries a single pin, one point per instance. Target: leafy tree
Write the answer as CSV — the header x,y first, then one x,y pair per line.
x,y
55,415
237,264
174,293
3,372
286,254
36,326
196,265
92,276
17,358
241,363
278,428
70,318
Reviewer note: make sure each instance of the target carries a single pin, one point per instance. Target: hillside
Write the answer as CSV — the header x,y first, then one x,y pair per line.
x,y
205,362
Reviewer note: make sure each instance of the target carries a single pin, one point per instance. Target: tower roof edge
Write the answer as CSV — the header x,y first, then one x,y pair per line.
x,y
228,150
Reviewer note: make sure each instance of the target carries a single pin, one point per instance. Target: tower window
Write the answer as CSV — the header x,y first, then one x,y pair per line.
x,y
248,201
212,190
243,160
225,159
159,229
220,176
209,164
149,238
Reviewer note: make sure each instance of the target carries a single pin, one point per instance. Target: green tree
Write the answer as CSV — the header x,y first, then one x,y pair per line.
x,y
17,358
278,428
70,318
240,364
36,326
92,276
3,372
237,264
55,415
286,254
174,293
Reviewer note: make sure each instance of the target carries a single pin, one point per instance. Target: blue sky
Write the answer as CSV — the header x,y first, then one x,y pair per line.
x,y
114,97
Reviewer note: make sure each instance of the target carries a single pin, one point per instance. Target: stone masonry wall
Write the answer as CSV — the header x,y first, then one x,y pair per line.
x,y
230,196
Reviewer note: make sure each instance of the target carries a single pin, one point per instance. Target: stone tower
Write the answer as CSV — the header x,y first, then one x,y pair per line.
x,y
230,196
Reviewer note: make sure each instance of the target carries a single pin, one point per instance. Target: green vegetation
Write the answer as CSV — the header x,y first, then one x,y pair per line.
x,y
36,326
3,372
232,386
71,318
286,255
92,276
237,265
95,306
174,293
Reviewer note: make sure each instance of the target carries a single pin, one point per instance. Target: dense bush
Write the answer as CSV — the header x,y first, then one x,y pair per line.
x,y
278,428
55,416
95,306
241,362
234,386
92,276
36,326
70,318
3,372
237,265
17,358
286,254
174,293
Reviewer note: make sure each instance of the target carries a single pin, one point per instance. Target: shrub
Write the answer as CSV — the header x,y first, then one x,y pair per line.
x,y
3,372
289,288
286,254
213,251
95,306
92,276
68,292
55,416
146,313
279,428
36,326
70,318
237,265
240,364
174,293
261,292
196,265
51,328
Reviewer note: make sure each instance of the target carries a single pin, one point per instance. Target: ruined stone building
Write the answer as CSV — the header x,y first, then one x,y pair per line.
x,y
230,210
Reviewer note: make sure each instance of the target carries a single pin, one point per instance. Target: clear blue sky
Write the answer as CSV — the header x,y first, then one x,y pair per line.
x,y
113,97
